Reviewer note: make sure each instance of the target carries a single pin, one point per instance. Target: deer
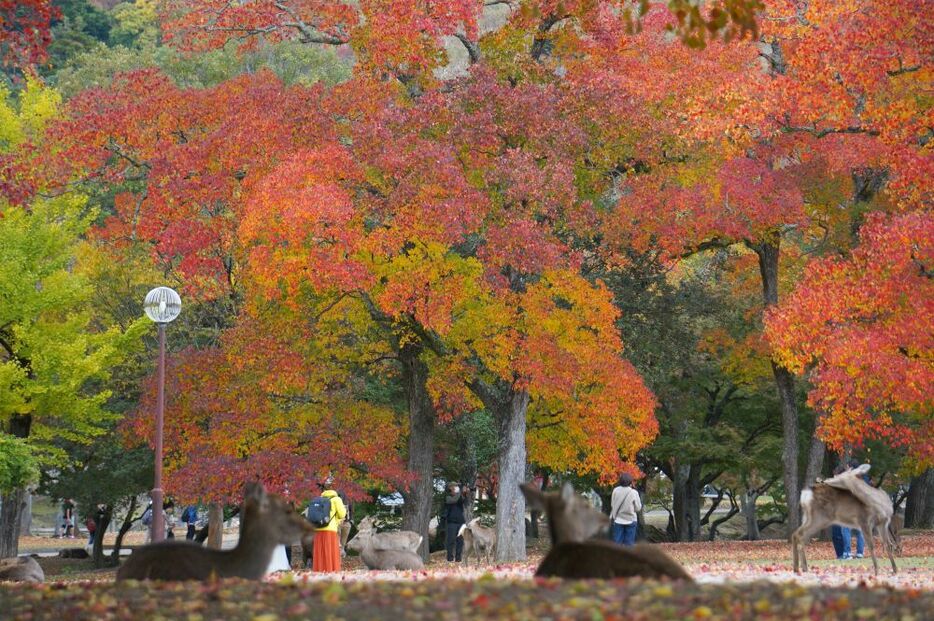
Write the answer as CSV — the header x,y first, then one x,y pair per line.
x,y
478,540
388,550
266,521
571,520
21,569
847,500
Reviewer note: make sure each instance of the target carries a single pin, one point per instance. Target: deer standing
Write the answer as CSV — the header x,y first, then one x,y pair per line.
x,y
571,520
478,540
847,500
266,521
388,550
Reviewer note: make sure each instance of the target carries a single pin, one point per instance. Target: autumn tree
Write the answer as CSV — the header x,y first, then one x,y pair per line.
x,y
861,326
763,153
25,31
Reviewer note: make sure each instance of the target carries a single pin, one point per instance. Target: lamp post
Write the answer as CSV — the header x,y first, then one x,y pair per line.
x,y
162,305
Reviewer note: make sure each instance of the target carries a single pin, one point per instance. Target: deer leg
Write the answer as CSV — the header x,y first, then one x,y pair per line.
x,y
800,539
888,543
867,528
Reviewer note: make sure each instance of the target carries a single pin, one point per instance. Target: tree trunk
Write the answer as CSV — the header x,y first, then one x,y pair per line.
x,y
734,509
14,502
25,525
128,520
469,476
510,503
815,461
679,503
919,508
768,253
416,511
215,525
749,512
101,522
693,502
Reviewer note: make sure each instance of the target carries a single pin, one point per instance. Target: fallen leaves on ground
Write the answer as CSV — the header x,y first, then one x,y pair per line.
x,y
483,598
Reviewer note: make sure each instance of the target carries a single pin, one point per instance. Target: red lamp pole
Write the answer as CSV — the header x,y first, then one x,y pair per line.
x,y
158,522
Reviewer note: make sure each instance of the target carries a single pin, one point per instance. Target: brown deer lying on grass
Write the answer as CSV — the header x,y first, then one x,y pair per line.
x,y
571,520
21,569
266,521
478,540
388,550
847,500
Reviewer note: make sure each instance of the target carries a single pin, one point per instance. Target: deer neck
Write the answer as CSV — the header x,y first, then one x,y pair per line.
x,y
255,547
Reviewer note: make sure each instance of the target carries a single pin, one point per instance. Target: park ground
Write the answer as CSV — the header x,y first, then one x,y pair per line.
x,y
735,580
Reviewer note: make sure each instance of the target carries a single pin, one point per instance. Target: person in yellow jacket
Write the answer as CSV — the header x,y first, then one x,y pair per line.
x,y
327,554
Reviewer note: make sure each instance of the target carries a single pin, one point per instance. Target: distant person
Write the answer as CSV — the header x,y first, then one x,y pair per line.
x,y
625,505
170,520
91,526
190,520
68,518
453,516
326,556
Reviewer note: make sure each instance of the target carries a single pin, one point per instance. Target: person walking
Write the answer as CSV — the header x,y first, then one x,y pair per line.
x,y
190,520
625,505
453,516
326,555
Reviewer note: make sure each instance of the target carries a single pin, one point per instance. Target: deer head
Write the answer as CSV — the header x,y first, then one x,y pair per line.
x,y
570,516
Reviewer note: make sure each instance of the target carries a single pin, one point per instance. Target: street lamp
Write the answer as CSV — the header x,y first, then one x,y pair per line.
x,y
162,305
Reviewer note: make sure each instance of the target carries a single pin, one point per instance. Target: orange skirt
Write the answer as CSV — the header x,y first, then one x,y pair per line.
x,y
327,554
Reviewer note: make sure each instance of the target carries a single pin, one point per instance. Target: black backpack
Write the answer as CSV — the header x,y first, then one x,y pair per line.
x,y
319,512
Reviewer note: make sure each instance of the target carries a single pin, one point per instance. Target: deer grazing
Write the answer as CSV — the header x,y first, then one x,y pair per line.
x,y
21,569
266,521
847,500
571,521
388,550
478,540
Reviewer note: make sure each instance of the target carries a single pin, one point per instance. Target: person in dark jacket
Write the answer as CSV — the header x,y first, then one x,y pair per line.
x,y
453,516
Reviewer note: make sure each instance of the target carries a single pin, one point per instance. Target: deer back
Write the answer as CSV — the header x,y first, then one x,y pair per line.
x,y
391,559
21,569
830,505
605,559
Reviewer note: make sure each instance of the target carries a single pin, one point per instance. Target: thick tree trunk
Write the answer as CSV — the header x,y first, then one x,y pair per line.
x,y
13,503
416,512
919,508
510,503
749,512
693,498
215,525
101,522
679,503
815,461
768,253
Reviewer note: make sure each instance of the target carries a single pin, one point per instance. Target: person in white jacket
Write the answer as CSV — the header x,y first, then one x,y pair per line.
x,y
625,504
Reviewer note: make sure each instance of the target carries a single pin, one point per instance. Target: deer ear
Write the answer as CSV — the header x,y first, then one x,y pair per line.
x,y
567,492
254,491
534,496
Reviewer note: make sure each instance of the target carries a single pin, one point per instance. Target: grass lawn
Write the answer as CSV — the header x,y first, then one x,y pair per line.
x,y
735,580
